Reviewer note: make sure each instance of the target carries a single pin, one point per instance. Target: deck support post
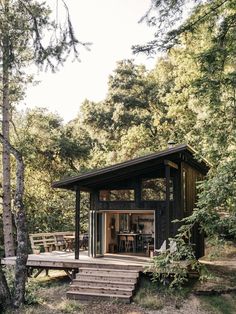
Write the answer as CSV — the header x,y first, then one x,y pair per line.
x,y
167,211
77,222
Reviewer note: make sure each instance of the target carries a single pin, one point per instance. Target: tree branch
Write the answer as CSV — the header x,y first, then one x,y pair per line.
x,y
172,35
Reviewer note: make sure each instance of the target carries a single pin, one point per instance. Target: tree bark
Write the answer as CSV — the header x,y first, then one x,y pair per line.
x,y
5,297
21,228
21,259
6,167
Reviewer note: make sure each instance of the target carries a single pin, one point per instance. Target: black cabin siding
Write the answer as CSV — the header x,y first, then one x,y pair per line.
x,y
192,177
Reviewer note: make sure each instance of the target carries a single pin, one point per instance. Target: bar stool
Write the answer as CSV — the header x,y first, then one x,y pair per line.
x,y
122,243
130,243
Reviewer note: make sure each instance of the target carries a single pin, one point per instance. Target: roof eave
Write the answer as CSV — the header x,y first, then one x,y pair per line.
x,y
70,183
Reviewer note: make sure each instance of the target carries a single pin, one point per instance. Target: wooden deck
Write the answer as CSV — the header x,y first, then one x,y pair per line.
x,y
66,260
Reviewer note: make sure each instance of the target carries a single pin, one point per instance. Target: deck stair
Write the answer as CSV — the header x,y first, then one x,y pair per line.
x,y
104,283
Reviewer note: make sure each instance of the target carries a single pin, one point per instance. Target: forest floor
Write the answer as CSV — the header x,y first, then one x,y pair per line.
x,y
48,294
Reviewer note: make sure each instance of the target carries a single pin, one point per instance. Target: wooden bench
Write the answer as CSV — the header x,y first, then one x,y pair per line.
x,y
49,241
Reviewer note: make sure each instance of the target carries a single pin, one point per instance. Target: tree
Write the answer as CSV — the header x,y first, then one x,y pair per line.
x,y
21,228
169,20
21,42
131,120
202,100
22,25
51,150
5,297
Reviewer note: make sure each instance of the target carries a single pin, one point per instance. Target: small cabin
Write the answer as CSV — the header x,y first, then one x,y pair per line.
x,y
133,203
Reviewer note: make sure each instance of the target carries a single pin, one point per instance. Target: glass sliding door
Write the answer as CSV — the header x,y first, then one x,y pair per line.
x,y
96,234
99,234
91,234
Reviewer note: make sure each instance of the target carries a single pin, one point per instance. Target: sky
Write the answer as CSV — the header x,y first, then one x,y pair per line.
x,y
112,27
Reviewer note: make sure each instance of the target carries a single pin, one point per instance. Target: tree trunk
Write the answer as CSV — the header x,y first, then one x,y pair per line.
x,y
21,259
7,214
22,234
21,228
5,297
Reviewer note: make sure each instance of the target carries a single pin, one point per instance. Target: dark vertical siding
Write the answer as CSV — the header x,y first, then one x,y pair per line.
x,y
161,226
176,209
192,176
165,211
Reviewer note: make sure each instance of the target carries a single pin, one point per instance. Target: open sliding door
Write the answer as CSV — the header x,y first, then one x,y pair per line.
x,y
100,230
96,224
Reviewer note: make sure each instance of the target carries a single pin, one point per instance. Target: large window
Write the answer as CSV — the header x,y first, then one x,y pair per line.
x,y
116,195
155,189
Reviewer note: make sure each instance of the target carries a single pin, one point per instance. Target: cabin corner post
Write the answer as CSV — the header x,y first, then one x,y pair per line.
x,y
91,225
77,222
156,228
167,175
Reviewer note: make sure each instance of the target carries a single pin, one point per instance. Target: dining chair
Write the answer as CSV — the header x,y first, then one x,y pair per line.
x,y
122,243
130,243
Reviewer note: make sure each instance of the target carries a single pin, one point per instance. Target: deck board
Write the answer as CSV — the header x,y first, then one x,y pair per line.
x,y
66,260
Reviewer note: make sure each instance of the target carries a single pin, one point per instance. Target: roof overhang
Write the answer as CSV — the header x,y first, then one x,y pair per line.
x,y
134,167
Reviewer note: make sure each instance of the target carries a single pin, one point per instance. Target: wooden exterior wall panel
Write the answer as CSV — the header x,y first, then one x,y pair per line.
x,y
192,176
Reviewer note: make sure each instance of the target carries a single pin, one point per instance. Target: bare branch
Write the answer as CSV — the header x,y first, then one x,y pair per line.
x,y
15,129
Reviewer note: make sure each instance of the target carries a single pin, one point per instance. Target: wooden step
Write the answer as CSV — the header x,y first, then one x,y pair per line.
x,y
77,295
102,290
98,283
117,266
104,283
108,272
106,278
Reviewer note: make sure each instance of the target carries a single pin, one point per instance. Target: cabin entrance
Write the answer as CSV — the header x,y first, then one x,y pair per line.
x,y
129,232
